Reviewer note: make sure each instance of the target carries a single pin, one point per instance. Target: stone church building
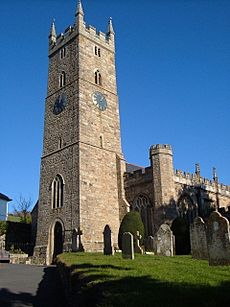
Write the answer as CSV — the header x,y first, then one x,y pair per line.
x,y
86,186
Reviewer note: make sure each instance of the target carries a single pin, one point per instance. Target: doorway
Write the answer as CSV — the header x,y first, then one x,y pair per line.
x,y
58,240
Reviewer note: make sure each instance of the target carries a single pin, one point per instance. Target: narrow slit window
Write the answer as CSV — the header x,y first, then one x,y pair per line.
x,y
101,141
60,143
98,79
62,79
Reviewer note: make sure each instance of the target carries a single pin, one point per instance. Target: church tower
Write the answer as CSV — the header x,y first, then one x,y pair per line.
x,y
82,166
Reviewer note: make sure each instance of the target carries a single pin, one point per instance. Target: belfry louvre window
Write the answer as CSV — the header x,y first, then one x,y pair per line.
x,y
97,51
98,79
57,192
63,53
62,79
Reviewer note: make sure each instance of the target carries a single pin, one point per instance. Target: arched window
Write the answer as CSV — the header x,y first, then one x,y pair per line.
x,y
62,79
63,52
143,205
57,192
98,79
186,208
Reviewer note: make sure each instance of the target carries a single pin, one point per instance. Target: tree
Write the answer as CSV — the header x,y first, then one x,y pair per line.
x,y
22,209
131,223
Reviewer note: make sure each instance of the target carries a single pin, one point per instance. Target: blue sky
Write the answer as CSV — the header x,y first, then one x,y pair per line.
x,y
173,73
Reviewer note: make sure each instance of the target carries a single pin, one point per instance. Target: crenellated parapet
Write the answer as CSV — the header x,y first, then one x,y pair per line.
x,y
139,176
160,149
193,179
80,27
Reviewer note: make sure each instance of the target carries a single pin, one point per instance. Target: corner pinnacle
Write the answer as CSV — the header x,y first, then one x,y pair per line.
x,y
79,9
52,36
110,27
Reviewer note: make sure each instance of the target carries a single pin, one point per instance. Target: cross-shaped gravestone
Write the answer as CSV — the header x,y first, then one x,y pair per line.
x,y
137,247
76,240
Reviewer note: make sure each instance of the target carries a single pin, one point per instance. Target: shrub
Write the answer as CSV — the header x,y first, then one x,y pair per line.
x,y
3,228
131,223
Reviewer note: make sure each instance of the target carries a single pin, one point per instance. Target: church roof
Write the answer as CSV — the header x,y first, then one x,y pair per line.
x,y
4,197
130,168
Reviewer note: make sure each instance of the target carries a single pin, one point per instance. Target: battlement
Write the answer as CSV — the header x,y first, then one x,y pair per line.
x,y
89,31
161,146
139,176
205,183
101,37
160,149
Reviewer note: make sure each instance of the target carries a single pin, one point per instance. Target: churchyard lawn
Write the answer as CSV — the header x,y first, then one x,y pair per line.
x,y
147,280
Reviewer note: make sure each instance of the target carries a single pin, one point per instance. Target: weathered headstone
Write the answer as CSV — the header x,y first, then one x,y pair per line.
x,y
137,248
108,244
2,242
218,239
4,255
198,239
127,246
149,245
164,241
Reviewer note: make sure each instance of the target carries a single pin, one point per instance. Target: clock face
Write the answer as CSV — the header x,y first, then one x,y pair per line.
x,y
100,101
60,104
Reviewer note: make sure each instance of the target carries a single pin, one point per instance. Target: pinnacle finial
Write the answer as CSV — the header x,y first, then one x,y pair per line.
x,y
214,174
110,26
53,35
79,9
197,169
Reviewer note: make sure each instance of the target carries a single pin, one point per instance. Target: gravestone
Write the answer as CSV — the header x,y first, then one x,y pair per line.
x,y
2,242
76,240
108,244
149,245
164,241
127,246
137,248
218,239
4,255
198,239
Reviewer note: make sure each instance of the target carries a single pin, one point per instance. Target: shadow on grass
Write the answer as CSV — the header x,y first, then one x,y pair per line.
x,y
142,291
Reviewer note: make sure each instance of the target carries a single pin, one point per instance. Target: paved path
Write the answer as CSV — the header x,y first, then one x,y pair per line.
x,y
29,285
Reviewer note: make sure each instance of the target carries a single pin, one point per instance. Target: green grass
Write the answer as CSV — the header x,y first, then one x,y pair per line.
x,y
147,280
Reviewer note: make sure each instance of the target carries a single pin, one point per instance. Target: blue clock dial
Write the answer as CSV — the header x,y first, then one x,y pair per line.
x,y
100,101
60,104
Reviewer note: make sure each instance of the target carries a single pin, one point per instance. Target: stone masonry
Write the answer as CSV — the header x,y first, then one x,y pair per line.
x,y
82,143
85,182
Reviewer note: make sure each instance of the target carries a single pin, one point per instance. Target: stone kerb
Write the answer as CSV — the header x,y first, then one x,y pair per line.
x,y
218,239
164,241
198,239
127,246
